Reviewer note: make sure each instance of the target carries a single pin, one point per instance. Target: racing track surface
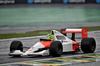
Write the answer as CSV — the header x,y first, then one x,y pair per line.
x,y
25,28
4,49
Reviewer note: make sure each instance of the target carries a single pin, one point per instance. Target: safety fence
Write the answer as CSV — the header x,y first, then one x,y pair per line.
x,y
6,1
46,1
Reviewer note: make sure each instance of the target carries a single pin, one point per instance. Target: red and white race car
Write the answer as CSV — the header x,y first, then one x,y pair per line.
x,y
56,47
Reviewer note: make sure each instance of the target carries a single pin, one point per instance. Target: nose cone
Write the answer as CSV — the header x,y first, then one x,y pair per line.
x,y
34,48
38,45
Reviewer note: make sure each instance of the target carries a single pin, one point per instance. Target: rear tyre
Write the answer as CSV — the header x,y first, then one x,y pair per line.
x,y
56,49
88,45
16,45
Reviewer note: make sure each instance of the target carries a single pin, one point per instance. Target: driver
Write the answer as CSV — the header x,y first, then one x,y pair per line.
x,y
50,37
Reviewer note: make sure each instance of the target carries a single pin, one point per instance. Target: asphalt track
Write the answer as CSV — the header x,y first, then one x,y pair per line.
x,y
5,43
25,28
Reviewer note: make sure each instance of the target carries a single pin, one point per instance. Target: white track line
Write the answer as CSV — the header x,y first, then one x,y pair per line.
x,y
21,38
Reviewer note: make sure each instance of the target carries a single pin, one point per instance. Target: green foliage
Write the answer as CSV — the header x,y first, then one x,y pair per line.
x,y
25,34
94,28
38,33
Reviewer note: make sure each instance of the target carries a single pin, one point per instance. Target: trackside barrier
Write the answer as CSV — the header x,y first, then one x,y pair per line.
x,y
20,1
77,1
65,1
57,1
98,1
42,1
82,31
47,1
7,1
30,1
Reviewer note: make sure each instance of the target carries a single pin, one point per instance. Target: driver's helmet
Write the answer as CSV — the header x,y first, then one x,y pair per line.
x,y
50,37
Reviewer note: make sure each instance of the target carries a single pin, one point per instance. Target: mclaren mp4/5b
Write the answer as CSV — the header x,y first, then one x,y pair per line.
x,y
55,47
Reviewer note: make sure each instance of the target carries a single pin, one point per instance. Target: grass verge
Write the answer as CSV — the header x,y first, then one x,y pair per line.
x,y
38,33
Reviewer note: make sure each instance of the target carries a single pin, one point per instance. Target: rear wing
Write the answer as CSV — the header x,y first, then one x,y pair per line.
x,y
73,31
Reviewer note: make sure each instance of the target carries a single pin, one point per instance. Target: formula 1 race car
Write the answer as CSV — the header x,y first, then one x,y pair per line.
x,y
61,43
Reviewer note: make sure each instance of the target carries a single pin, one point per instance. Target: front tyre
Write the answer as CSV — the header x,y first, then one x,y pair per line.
x,y
16,45
88,45
56,49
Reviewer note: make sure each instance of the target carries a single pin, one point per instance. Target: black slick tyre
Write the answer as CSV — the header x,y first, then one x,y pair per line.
x,y
88,45
16,45
56,49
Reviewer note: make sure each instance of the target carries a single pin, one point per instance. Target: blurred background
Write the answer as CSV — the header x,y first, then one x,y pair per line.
x,y
29,15
47,1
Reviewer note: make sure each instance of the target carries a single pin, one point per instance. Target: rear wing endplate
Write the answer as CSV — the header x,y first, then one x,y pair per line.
x,y
82,31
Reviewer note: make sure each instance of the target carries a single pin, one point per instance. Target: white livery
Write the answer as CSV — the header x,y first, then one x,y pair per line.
x,y
61,43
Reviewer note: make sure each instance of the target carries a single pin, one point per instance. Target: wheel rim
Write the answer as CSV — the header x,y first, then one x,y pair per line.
x,y
59,49
93,46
